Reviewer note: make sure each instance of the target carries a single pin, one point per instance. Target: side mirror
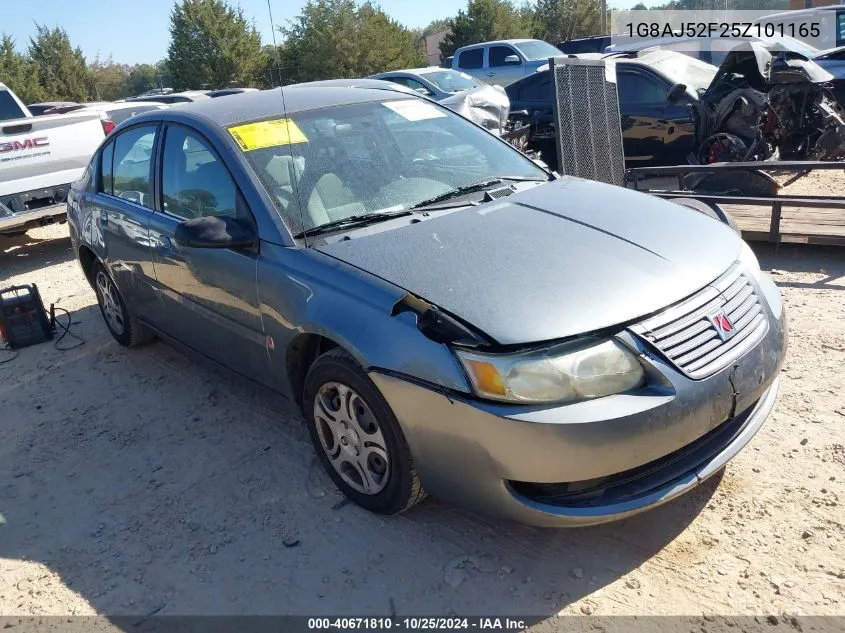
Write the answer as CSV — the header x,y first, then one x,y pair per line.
x,y
512,60
215,232
676,93
424,91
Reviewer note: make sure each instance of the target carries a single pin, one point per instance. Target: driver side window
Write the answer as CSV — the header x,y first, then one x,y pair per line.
x,y
637,88
133,151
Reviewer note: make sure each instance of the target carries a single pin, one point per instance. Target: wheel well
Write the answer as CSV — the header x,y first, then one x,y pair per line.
x,y
86,260
302,352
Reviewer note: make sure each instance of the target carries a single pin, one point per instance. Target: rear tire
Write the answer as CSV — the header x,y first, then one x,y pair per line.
x,y
712,210
357,438
124,327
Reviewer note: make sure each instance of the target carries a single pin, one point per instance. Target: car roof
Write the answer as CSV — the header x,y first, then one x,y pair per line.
x,y
417,71
495,42
126,105
266,104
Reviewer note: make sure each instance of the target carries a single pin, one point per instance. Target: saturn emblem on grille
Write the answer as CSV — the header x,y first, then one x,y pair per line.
x,y
724,327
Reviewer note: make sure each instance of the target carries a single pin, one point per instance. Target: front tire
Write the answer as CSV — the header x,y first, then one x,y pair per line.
x,y
357,438
125,328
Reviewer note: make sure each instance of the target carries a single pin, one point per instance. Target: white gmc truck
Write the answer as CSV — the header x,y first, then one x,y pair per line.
x,y
39,158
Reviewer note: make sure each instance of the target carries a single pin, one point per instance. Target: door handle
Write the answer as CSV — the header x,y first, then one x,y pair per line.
x,y
491,74
164,245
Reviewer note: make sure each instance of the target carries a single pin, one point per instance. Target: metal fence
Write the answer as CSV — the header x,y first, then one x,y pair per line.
x,y
586,114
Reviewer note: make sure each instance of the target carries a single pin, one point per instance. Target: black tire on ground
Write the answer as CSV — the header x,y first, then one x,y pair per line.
x,y
403,488
134,332
710,209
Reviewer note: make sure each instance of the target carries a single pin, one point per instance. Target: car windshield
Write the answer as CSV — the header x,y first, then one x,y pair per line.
x,y
683,69
452,80
369,158
536,49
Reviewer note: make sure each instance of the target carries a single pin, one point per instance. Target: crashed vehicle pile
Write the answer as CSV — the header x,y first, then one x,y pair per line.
x,y
769,104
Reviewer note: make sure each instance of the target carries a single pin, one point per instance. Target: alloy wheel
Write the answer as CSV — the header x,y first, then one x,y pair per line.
x,y
109,302
351,438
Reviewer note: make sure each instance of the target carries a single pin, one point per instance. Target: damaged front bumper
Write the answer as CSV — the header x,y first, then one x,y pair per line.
x,y
593,461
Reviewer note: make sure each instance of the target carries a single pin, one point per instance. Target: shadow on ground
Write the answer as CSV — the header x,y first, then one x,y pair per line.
x,y
828,261
153,483
23,253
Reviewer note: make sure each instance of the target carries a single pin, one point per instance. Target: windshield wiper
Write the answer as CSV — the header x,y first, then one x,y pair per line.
x,y
362,219
472,188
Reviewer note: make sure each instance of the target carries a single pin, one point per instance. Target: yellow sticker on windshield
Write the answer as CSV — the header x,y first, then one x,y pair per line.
x,y
267,134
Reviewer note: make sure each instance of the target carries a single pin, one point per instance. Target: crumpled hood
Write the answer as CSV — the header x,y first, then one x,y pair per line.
x,y
560,259
488,106
772,64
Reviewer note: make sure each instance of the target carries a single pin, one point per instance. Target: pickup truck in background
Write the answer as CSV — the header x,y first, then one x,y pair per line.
x,y
39,158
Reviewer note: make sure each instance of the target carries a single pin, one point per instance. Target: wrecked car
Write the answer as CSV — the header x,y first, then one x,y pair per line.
x,y
767,103
480,102
451,318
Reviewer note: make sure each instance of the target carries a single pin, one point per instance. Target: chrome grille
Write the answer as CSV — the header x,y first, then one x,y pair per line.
x,y
685,334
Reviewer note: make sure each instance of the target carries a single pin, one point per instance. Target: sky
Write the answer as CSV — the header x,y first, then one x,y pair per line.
x,y
136,31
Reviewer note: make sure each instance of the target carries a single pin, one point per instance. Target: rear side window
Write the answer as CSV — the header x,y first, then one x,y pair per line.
x,y
9,109
133,152
195,182
497,55
471,59
106,179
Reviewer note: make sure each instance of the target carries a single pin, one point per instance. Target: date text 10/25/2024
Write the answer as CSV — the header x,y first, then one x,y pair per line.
x,y
417,624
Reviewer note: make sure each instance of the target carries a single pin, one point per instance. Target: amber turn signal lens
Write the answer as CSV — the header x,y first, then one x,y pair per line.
x,y
487,377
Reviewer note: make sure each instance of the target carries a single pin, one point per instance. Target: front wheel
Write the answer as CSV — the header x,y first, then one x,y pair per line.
x,y
357,437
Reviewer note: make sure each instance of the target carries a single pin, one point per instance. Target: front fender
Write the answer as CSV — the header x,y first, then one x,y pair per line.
x,y
303,291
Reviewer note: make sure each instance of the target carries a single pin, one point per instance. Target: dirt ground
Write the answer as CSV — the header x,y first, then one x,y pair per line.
x,y
141,481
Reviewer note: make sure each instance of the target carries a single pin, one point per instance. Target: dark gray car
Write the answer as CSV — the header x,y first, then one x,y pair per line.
x,y
451,318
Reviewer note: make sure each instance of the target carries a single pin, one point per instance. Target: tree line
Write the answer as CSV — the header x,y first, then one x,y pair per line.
x,y
213,44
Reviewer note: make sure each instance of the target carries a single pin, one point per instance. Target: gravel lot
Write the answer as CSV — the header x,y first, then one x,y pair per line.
x,y
141,481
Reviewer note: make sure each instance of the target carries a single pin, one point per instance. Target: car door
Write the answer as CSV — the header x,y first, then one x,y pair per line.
x,y
655,131
501,68
210,295
116,214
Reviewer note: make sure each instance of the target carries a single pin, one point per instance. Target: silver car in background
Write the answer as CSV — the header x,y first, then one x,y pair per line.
x,y
487,105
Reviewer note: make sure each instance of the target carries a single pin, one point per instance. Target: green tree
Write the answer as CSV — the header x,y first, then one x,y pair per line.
x,y
142,77
435,26
338,38
18,72
484,20
560,20
60,68
108,81
212,45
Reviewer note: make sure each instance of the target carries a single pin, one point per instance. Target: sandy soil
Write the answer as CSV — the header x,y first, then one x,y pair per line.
x,y
141,481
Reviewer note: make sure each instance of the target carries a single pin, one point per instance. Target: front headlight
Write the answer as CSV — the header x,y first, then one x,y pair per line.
x,y
569,372
749,261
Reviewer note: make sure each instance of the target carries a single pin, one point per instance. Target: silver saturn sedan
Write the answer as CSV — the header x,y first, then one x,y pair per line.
x,y
451,318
